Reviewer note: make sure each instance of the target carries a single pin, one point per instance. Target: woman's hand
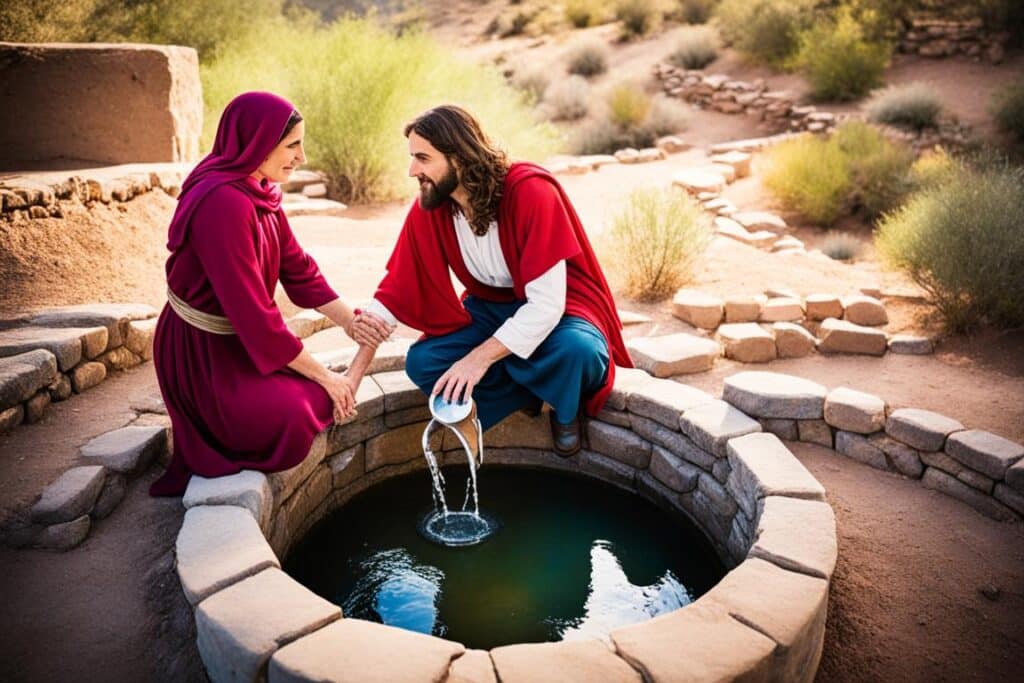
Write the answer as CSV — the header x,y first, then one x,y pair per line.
x,y
342,390
366,329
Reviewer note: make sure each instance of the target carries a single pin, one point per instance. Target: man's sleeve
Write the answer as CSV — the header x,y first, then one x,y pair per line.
x,y
534,321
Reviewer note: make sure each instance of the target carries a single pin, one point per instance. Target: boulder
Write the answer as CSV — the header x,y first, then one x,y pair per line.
x,y
864,310
792,340
747,342
841,336
697,308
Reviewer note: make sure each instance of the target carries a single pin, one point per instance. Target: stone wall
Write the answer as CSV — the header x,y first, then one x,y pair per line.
x,y
108,103
931,37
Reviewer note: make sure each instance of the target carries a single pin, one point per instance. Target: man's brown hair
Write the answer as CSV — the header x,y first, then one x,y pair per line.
x,y
480,164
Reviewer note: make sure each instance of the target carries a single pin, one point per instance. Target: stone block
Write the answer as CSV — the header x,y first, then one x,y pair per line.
x,y
518,430
815,431
771,394
694,181
139,337
762,466
747,342
70,496
217,546
792,340
986,505
797,535
64,535
399,391
348,465
340,437
627,380
760,220
920,429
115,317
114,487
864,310
1015,476
984,452
284,482
740,161
664,401
475,666
911,345
569,661
247,489
128,450
607,469
976,480
60,388
823,306
1009,497
712,425
36,407
369,401
11,418
700,642
241,626
673,354
782,309
784,429
697,308
21,376
673,471
618,443
397,446
355,650
902,457
755,592
716,497
619,418
854,411
672,440
841,336
727,227
398,418
87,375
744,309
859,448
119,359
68,345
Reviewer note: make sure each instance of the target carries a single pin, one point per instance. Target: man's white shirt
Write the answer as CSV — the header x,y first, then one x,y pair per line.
x,y
545,296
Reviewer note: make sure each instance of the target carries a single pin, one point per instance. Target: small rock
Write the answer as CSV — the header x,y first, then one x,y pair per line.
x,y
911,345
119,359
36,406
673,354
65,535
841,336
70,496
864,310
744,309
854,411
696,180
128,450
990,591
87,375
139,339
792,340
760,220
740,161
672,144
315,190
113,492
11,418
747,342
60,388
698,308
782,309
822,306
920,429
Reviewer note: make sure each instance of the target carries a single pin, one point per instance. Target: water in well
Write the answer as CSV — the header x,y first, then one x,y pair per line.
x,y
572,558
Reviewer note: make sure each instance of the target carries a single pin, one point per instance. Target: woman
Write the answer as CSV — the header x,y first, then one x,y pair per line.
x,y
240,389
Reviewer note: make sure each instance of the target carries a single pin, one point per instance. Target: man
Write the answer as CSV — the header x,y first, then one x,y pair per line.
x,y
537,322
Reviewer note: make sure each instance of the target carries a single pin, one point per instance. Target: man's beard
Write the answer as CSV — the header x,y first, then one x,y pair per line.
x,y
433,195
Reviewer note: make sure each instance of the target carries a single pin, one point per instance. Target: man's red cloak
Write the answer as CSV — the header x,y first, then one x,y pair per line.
x,y
538,228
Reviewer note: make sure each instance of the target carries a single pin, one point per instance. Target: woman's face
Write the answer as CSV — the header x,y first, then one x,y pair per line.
x,y
285,158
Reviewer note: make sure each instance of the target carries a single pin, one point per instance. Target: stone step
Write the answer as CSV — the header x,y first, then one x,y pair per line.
x,y
775,395
128,450
759,220
673,354
747,342
864,310
299,205
841,336
68,344
22,376
70,496
695,181
697,308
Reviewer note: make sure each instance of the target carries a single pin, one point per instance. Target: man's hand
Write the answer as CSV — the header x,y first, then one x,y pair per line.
x,y
366,329
458,382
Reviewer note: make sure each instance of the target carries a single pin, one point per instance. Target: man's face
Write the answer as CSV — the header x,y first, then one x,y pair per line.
x,y
436,176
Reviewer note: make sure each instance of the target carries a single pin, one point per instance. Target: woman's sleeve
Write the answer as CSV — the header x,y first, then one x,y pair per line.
x,y
300,275
224,234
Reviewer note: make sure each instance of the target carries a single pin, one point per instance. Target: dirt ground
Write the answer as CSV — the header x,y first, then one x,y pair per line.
x,y
905,600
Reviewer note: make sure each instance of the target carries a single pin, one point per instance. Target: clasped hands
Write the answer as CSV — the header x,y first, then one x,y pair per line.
x,y
367,330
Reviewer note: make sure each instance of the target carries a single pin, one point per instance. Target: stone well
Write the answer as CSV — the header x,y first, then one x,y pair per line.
x,y
678,447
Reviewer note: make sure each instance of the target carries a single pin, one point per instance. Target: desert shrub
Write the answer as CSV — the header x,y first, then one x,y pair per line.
x,y
932,168
532,81
666,116
841,246
693,11
696,48
961,242
839,62
628,105
913,105
638,17
357,85
587,58
568,99
855,169
765,30
584,13
42,21
655,242
1007,108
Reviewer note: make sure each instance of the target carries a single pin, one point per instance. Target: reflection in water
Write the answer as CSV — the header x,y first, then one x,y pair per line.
x,y
401,592
614,601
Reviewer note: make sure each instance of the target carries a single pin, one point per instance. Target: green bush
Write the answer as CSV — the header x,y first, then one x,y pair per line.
x,y
568,99
696,47
1007,108
531,80
913,105
628,105
638,17
855,169
961,242
587,58
693,11
933,168
665,116
765,30
841,246
357,85
655,242
839,62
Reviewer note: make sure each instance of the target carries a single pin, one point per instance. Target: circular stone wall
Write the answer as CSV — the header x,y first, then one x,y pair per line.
x,y
678,447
